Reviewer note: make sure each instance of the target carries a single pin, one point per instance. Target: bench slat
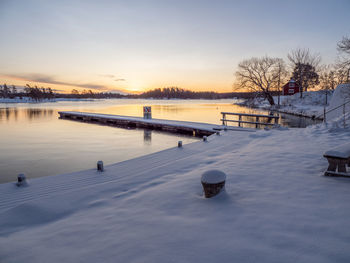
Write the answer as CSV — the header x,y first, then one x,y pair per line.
x,y
342,152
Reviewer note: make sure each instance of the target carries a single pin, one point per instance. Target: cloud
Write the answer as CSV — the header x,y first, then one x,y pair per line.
x,y
47,79
107,76
111,76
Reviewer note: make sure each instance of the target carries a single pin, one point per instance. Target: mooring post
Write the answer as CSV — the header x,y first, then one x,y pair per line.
x,y
179,144
205,138
100,166
213,182
21,180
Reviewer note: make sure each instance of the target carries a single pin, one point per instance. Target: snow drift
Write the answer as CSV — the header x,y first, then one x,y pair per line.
x,y
340,96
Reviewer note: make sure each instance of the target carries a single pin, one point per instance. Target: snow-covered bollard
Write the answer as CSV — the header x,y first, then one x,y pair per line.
x,y
100,166
179,144
21,180
205,138
218,133
213,182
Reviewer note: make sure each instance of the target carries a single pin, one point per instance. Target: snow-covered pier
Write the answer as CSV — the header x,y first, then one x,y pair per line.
x,y
183,127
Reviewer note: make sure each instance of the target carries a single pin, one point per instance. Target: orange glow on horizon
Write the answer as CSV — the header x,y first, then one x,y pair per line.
x,y
128,87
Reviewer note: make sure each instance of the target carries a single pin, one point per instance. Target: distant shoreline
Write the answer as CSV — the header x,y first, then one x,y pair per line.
x,y
32,101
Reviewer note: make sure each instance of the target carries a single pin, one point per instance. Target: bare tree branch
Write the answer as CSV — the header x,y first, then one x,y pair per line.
x,y
260,75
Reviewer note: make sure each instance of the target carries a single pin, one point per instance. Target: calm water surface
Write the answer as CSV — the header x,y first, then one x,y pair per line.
x,y
35,142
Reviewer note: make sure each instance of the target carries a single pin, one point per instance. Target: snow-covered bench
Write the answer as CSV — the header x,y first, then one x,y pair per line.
x,y
338,158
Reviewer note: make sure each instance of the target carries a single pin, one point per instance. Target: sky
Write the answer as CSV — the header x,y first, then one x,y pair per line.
x,y
134,46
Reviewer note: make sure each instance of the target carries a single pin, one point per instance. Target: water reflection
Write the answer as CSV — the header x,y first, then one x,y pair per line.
x,y
8,113
147,136
38,113
22,114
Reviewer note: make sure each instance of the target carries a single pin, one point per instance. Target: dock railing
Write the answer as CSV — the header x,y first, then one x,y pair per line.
x,y
271,119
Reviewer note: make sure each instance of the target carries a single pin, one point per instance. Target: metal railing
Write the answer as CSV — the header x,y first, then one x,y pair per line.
x,y
325,112
256,116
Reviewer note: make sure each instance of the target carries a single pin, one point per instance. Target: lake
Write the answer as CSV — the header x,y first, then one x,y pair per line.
x,y
34,141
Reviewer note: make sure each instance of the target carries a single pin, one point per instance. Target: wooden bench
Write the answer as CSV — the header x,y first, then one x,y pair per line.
x,y
338,158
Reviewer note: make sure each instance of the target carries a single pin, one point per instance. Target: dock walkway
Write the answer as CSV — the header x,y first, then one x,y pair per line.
x,y
183,127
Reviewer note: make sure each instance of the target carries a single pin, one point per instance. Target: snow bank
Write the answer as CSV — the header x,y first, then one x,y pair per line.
x,y
277,207
310,105
340,96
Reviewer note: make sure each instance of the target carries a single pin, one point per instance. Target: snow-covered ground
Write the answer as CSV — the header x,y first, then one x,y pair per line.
x,y
277,207
311,105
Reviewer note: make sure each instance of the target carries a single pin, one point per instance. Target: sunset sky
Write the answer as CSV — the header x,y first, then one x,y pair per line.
x,y
133,46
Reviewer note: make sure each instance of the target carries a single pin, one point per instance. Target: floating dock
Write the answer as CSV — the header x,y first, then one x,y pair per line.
x,y
182,127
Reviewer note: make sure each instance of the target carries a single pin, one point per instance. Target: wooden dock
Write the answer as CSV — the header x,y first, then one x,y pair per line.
x,y
180,127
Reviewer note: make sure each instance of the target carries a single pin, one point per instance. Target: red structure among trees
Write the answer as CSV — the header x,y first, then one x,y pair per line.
x,y
290,88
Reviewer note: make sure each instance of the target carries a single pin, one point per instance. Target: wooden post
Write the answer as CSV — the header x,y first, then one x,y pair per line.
x,y
100,166
213,182
223,119
257,120
239,120
324,114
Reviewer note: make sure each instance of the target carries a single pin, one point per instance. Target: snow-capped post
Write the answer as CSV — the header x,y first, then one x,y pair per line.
x,y
21,180
179,144
205,138
217,133
147,112
213,182
100,166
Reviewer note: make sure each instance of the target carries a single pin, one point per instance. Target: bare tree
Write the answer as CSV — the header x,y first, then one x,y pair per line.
x,y
305,68
282,74
344,56
344,45
328,78
260,75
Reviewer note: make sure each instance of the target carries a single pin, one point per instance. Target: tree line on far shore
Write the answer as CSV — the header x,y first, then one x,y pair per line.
x,y
36,93
39,94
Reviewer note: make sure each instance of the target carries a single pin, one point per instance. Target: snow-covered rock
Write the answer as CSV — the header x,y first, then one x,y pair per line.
x,y
340,96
